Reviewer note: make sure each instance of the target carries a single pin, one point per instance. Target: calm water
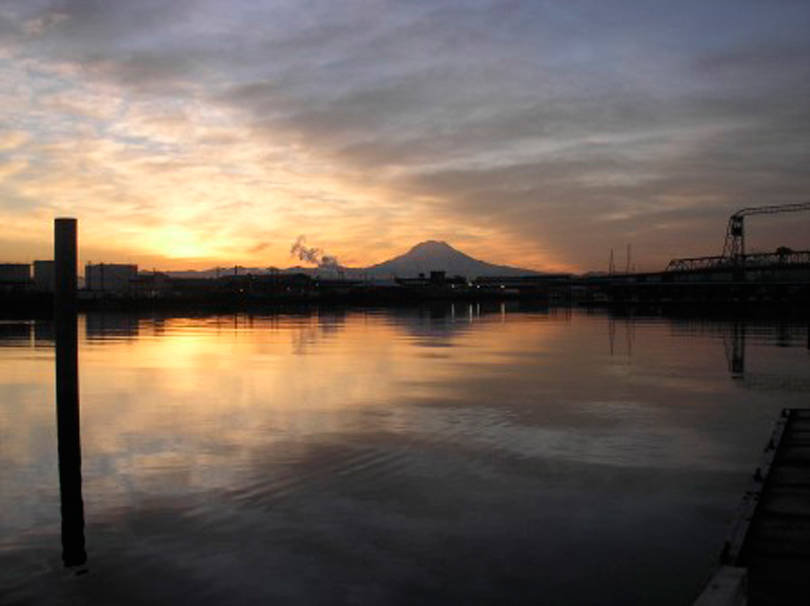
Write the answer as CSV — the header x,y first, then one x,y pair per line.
x,y
446,455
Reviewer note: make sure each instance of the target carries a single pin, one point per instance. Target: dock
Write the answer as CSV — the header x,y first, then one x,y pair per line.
x,y
766,558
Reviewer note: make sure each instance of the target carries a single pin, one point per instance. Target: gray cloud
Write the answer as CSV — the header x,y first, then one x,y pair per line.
x,y
574,125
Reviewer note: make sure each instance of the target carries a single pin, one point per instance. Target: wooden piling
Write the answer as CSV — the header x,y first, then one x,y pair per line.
x,y
67,392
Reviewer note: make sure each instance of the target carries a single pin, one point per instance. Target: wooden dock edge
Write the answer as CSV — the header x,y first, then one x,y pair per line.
x,y
727,586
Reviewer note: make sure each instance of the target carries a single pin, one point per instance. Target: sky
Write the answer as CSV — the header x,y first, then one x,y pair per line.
x,y
195,133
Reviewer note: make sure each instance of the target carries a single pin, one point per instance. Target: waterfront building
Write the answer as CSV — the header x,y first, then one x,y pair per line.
x,y
15,277
109,277
43,276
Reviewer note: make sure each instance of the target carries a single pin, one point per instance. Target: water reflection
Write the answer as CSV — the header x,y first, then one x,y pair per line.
x,y
629,334
67,393
43,334
68,437
108,325
735,350
782,335
442,454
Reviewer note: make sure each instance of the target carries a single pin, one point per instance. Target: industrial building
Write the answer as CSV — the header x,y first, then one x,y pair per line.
x,y
43,276
15,272
15,277
109,277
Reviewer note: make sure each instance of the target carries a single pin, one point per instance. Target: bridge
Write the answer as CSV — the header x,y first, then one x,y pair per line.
x,y
734,255
731,277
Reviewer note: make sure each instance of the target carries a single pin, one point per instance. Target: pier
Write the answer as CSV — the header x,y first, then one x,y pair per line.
x,y
766,558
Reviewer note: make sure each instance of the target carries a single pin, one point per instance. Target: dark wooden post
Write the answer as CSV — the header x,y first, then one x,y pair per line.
x,y
67,393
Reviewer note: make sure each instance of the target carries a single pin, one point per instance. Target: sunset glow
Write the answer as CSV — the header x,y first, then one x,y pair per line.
x,y
195,134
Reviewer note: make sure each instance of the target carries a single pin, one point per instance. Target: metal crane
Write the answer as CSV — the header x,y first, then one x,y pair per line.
x,y
734,247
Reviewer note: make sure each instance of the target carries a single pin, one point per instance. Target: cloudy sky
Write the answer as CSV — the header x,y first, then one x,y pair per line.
x,y
191,133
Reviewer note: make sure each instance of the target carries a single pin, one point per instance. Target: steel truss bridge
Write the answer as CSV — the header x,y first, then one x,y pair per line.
x,y
734,256
752,261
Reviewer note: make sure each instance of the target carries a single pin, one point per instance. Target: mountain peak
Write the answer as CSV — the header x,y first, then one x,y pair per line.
x,y
438,255
432,247
432,243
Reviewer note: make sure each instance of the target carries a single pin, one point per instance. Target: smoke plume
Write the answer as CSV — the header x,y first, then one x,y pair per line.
x,y
312,254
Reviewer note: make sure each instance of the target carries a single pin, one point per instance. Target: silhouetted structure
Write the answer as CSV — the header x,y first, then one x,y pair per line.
x,y
150,285
109,277
553,287
734,247
43,276
767,554
67,393
15,277
15,272
734,256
